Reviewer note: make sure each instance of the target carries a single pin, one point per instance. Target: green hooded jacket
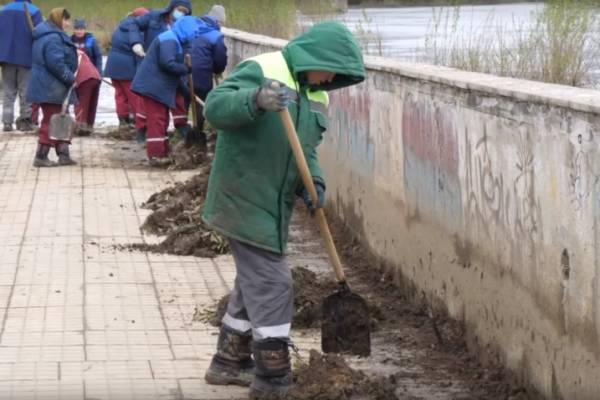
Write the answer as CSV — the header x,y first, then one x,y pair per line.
x,y
254,177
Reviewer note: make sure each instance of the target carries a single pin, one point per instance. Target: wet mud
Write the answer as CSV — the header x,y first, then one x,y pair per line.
x,y
177,214
329,377
427,347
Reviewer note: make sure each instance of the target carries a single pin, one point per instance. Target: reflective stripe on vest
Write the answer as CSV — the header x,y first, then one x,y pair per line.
x,y
275,67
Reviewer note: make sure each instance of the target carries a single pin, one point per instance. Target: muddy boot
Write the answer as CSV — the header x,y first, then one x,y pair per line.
x,y
159,162
7,128
141,136
232,365
273,370
64,156
123,123
25,125
41,157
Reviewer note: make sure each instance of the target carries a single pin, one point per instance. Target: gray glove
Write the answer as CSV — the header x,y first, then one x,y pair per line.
x,y
272,98
138,49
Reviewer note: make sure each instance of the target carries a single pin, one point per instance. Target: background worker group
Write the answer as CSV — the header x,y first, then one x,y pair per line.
x,y
40,63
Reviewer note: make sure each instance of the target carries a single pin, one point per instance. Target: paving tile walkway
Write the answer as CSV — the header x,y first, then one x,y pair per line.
x,y
80,319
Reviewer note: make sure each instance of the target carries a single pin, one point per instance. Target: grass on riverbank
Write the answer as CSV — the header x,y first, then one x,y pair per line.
x,y
562,45
270,17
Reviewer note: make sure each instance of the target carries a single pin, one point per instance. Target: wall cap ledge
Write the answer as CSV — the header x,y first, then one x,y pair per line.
x,y
585,100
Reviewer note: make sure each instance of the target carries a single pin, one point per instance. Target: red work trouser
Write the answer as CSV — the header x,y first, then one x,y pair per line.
x,y
126,101
157,140
88,93
179,113
48,110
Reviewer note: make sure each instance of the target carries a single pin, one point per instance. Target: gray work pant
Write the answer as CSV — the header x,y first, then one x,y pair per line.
x,y
15,80
262,299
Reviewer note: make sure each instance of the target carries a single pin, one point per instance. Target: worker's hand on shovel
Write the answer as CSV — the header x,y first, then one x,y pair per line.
x,y
272,98
320,194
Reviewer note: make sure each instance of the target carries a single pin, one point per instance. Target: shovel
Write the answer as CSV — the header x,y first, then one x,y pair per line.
x,y
62,126
195,136
346,323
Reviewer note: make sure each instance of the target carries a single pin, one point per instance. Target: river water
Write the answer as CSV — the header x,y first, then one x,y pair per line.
x,y
402,31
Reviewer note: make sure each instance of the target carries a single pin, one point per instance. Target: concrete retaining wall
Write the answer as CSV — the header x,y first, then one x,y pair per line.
x,y
481,192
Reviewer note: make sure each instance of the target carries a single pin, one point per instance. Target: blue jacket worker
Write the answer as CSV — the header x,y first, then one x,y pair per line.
x,y
121,66
52,75
143,30
209,54
158,80
87,42
17,21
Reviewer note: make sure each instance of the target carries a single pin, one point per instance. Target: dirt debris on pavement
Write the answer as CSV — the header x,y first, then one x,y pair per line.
x,y
177,214
329,377
184,157
119,134
309,292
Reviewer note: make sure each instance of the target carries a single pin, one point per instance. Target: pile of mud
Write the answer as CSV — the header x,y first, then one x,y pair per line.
x,y
184,157
177,215
309,292
329,377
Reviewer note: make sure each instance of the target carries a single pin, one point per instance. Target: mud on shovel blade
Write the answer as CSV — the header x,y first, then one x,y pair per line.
x,y
62,126
346,321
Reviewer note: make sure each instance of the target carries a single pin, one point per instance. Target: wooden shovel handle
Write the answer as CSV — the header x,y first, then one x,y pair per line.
x,y
188,62
310,186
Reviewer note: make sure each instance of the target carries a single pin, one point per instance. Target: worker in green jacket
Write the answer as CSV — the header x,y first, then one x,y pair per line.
x,y
252,188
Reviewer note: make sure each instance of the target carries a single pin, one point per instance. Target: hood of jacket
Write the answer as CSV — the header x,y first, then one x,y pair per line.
x,y
328,46
176,3
187,28
47,28
209,24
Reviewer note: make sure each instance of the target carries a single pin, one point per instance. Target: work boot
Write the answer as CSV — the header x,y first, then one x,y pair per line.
x,y
159,162
7,128
141,136
273,371
25,125
41,157
64,156
232,365
131,121
124,123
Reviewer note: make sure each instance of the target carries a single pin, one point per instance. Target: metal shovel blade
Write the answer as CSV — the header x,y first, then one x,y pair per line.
x,y
196,137
62,127
346,324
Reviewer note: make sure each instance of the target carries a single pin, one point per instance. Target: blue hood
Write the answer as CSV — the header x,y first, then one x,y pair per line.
x,y
208,24
46,28
187,28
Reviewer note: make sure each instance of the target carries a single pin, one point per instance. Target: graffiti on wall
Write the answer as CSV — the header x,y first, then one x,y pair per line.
x,y
431,160
582,178
502,208
350,128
